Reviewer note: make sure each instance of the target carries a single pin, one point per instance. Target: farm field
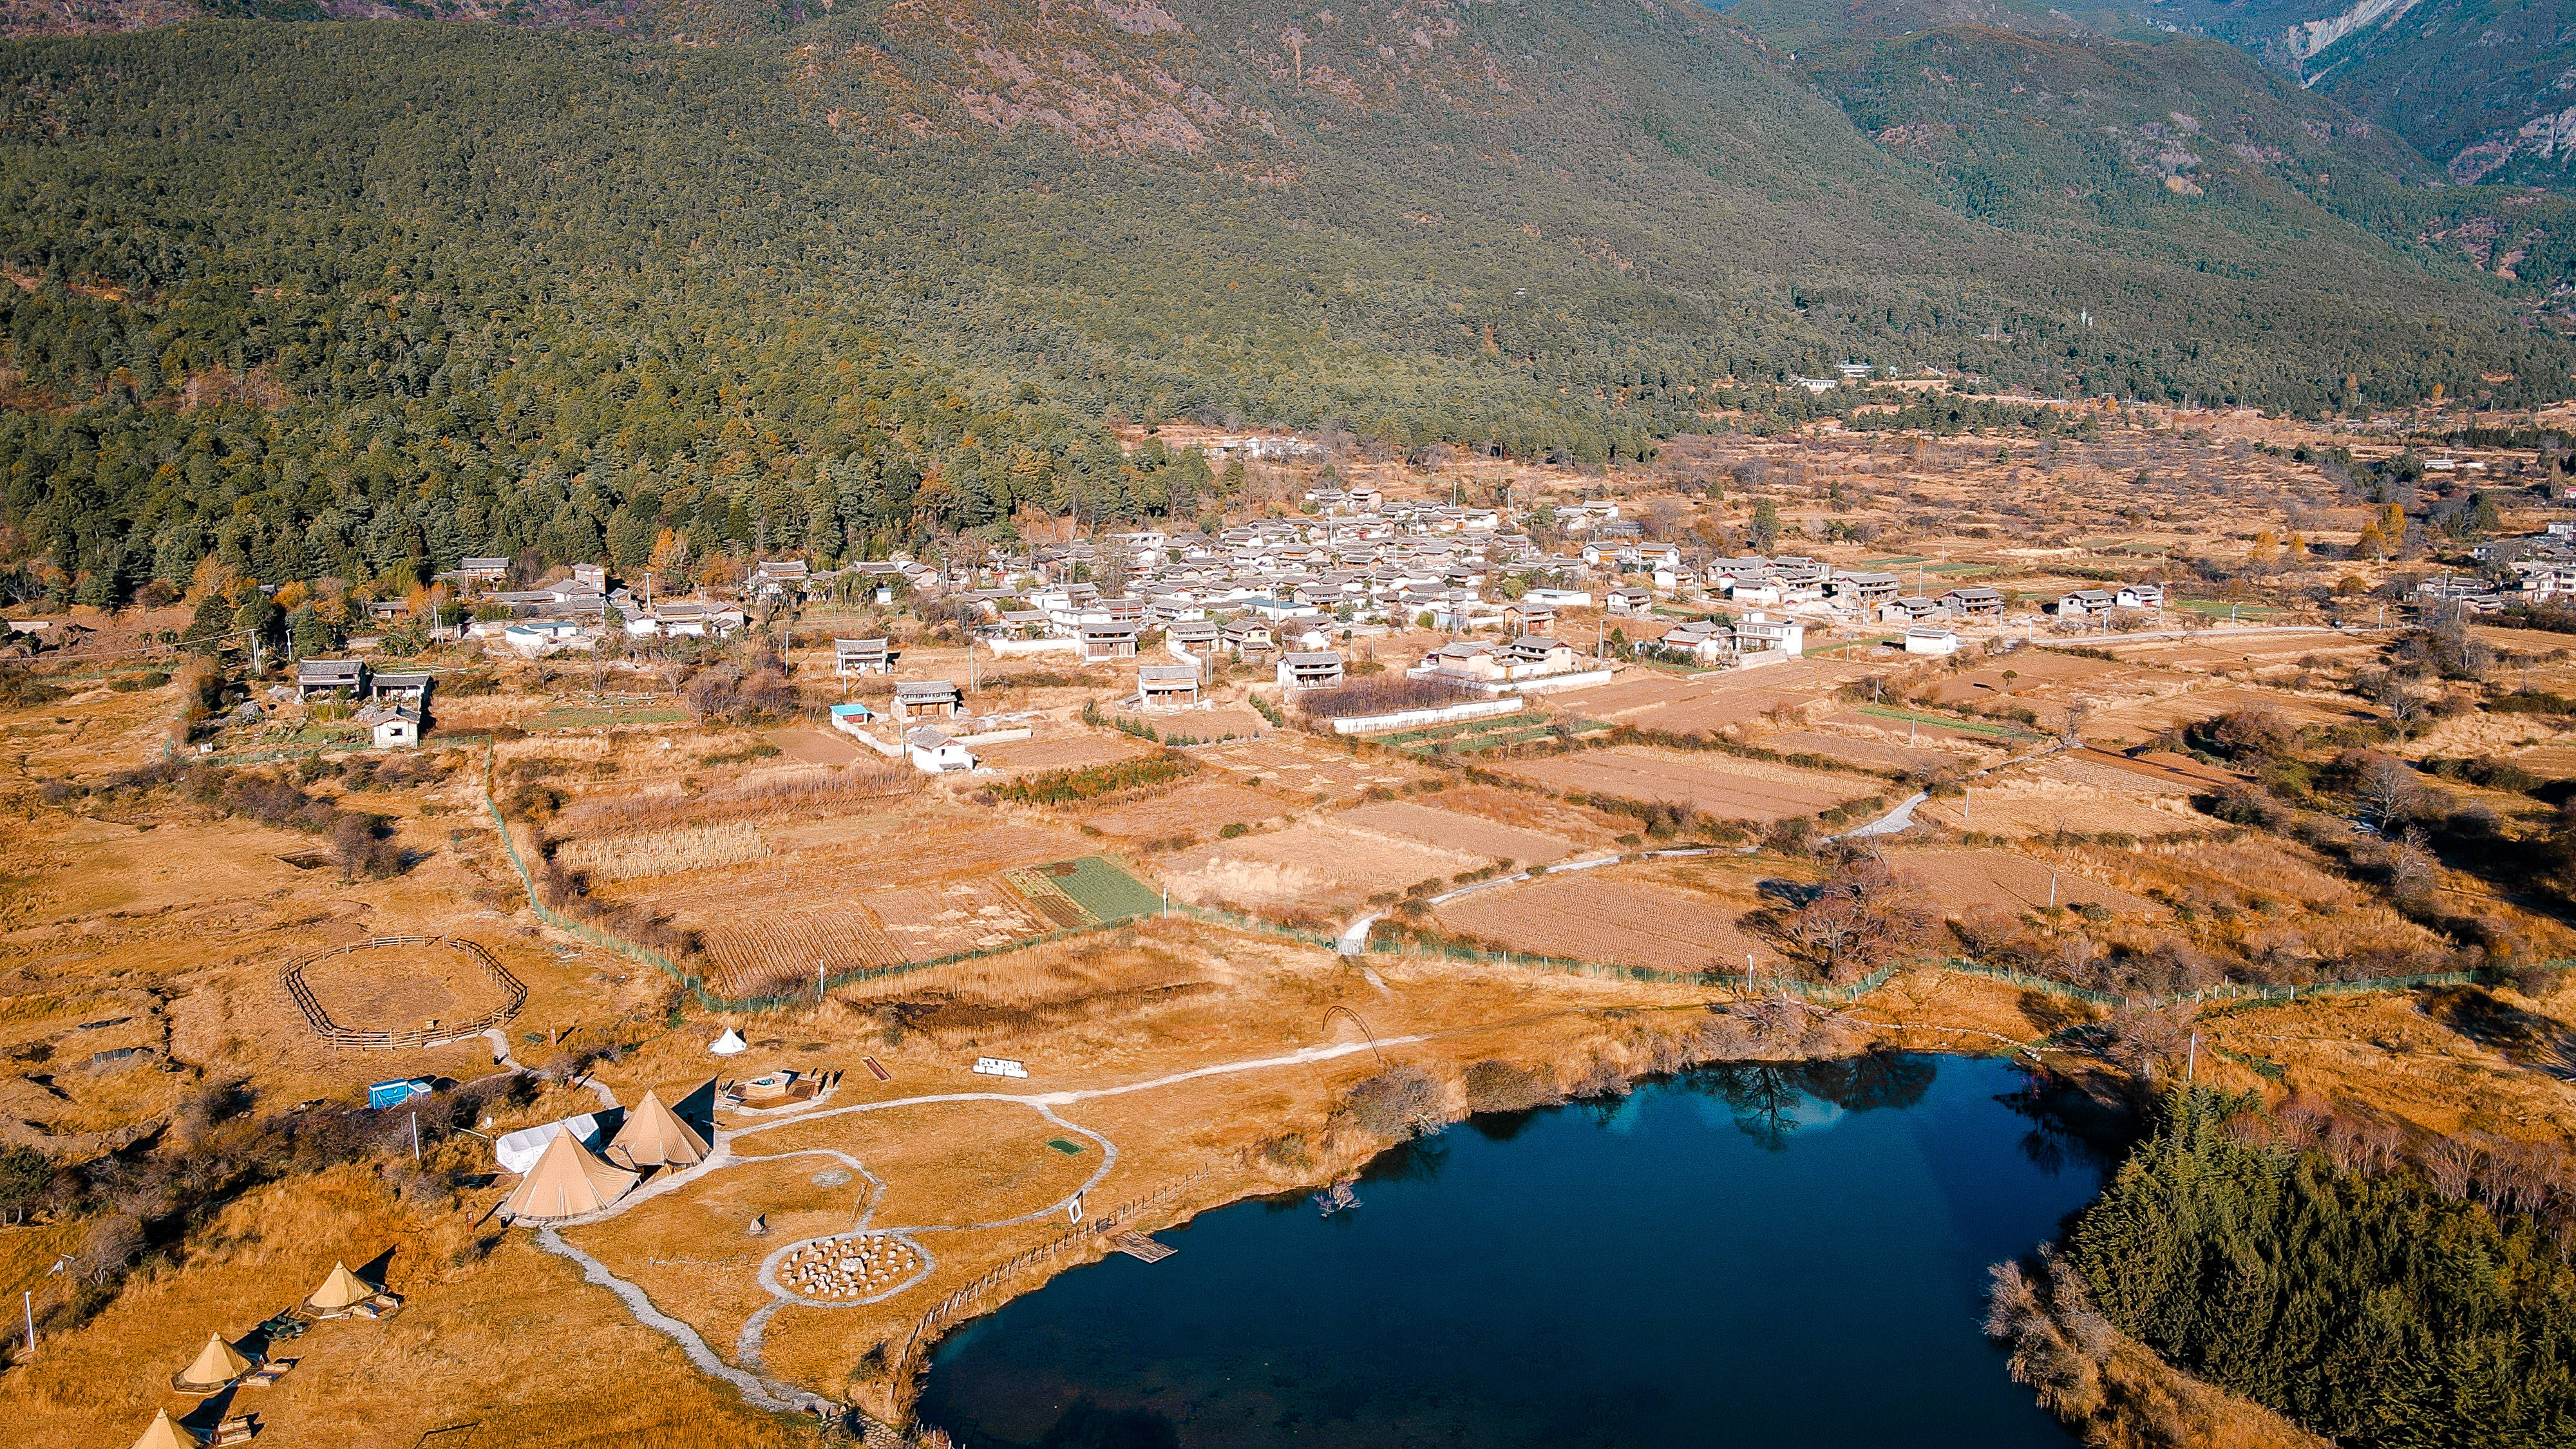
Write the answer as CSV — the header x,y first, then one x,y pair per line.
x,y
1618,915
2024,804
1870,753
1960,881
1199,808
1314,862
1304,766
1060,749
1712,783
1658,701
2144,719
1449,830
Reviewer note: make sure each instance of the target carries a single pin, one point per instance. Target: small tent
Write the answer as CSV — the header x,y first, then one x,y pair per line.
x,y
729,1043
341,1291
215,1369
568,1181
654,1136
165,1433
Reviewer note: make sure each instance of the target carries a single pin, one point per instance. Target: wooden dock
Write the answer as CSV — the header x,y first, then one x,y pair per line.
x,y
1137,1245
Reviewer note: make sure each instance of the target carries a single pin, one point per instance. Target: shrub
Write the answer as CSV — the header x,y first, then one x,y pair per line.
x,y
1385,694
1397,1103
1090,782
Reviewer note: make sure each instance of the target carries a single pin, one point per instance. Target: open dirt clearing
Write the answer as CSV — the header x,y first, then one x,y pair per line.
x,y
1713,784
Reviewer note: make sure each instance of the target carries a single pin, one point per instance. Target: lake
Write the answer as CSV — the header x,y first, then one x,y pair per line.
x,y
1750,1254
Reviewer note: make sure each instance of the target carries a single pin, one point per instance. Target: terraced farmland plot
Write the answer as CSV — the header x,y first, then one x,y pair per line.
x,y
1712,784
769,954
967,915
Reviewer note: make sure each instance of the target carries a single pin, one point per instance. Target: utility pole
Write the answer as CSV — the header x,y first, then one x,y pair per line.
x,y
415,1139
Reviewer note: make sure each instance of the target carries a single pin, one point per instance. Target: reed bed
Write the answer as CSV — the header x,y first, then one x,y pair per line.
x,y
803,791
663,852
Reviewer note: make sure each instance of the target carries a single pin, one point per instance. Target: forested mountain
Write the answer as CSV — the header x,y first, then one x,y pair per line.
x,y
352,298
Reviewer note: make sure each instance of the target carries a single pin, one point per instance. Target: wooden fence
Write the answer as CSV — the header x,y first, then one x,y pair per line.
x,y
513,991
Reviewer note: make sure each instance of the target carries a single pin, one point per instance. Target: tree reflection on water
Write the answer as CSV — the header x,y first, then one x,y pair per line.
x,y
1765,1096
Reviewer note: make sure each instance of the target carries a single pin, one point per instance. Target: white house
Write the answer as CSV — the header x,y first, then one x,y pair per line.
x,y
935,753
1631,601
1755,634
2082,602
1316,670
1167,686
1931,639
398,730
861,656
1559,598
2140,596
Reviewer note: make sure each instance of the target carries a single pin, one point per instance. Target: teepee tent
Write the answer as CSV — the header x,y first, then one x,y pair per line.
x,y
165,1434
567,1181
654,1136
215,1369
343,1289
729,1043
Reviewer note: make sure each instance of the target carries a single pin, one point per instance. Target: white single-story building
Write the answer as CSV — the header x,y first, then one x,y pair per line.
x,y
399,730
1931,639
935,753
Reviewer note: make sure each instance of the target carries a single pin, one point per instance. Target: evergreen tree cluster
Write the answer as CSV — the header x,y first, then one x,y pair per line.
x,y
2368,1306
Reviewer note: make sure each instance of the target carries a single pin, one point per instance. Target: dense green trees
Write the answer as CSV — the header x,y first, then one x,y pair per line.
x,y
2366,1305
352,300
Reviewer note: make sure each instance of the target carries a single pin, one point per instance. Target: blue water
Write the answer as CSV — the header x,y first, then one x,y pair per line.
x,y
1748,1255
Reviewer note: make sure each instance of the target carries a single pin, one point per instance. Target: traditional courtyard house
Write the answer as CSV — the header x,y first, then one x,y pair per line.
x,y
1320,669
861,656
330,676
927,699
1167,686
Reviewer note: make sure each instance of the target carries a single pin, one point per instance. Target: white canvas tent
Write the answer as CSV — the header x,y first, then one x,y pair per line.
x,y
518,1151
217,1365
165,1434
343,1289
654,1136
568,1181
729,1043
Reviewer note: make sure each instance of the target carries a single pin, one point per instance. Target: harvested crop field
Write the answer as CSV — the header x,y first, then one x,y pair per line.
x,y
762,953
1061,749
1875,754
1964,880
1613,916
2026,805
1313,862
1709,702
2156,773
2149,717
1198,809
1304,767
1714,784
1449,830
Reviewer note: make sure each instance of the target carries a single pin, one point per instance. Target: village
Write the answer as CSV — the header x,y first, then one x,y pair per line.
x,y
767,969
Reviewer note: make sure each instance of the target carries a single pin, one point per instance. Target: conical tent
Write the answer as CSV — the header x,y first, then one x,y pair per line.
x,y
568,1181
343,1289
165,1434
217,1366
729,1043
654,1136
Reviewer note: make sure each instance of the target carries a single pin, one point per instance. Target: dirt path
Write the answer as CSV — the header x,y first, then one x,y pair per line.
x,y
771,1394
